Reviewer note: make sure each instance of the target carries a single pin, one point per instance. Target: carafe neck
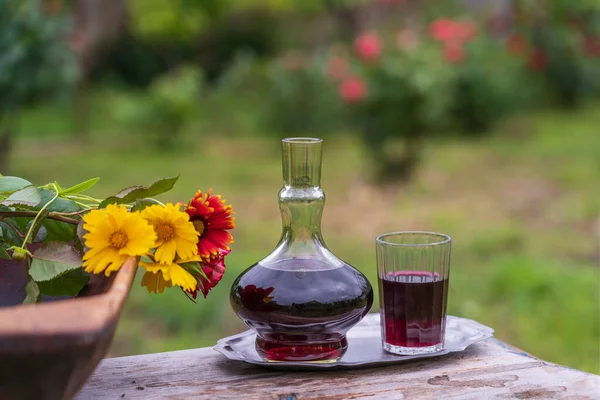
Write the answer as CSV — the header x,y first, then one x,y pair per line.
x,y
301,200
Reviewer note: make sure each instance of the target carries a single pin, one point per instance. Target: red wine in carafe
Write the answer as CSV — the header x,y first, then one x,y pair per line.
x,y
301,309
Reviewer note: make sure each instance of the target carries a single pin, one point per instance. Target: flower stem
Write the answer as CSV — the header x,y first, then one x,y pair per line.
x,y
80,204
73,213
30,231
52,215
83,198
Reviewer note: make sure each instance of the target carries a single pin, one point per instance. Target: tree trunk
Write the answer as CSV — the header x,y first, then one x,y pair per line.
x,y
83,110
5,146
6,134
98,24
346,18
401,169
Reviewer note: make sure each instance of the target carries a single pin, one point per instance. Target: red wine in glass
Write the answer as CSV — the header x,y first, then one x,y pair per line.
x,y
413,308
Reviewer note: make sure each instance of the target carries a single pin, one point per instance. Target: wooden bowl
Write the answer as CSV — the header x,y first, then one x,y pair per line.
x,y
49,350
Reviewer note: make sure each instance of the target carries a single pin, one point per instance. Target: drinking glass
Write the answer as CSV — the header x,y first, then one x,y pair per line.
x,y
413,269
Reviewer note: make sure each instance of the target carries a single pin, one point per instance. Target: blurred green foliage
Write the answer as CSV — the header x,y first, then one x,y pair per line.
x,y
408,94
237,98
167,20
569,75
164,109
35,61
521,287
489,84
300,101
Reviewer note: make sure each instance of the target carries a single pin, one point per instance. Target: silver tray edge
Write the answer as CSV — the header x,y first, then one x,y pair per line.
x,y
224,348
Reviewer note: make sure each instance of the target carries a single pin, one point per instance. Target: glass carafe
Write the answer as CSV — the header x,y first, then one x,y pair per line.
x,y
301,299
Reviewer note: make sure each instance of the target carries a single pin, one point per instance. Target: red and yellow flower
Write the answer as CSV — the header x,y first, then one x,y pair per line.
x,y
213,270
212,219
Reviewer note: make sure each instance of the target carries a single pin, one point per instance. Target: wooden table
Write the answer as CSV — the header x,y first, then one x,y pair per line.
x,y
487,370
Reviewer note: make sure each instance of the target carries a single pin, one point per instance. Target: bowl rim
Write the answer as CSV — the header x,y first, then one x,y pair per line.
x,y
64,321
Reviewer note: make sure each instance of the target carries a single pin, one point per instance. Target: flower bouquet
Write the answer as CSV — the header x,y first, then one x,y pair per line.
x,y
63,235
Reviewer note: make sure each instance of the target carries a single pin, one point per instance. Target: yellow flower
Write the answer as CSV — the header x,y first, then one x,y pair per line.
x,y
174,232
155,282
113,235
160,275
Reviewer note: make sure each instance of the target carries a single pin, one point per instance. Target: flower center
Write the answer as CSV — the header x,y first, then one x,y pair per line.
x,y
164,232
118,240
199,225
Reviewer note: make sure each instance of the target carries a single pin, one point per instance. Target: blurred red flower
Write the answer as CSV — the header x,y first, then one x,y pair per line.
x,y
445,30
368,46
516,44
454,52
591,45
353,90
538,60
338,67
442,29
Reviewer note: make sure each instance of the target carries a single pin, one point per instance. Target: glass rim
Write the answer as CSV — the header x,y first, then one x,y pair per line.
x,y
302,140
445,239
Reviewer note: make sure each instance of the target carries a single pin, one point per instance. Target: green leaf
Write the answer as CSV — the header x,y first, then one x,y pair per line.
x,y
40,235
58,205
140,204
28,196
81,187
52,260
33,293
8,234
4,254
57,230
39,232
9,184
69,284
193,268
133,193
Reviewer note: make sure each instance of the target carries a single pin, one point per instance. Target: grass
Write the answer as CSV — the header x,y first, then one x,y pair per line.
x,y
522,206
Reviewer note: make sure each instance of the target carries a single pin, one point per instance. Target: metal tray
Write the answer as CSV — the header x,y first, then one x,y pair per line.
x,y
364,346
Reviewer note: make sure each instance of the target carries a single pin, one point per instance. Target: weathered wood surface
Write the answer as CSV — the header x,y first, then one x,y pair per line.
x,y
487,370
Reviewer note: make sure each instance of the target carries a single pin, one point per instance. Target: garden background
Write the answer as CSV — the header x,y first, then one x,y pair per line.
x,y
479,119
